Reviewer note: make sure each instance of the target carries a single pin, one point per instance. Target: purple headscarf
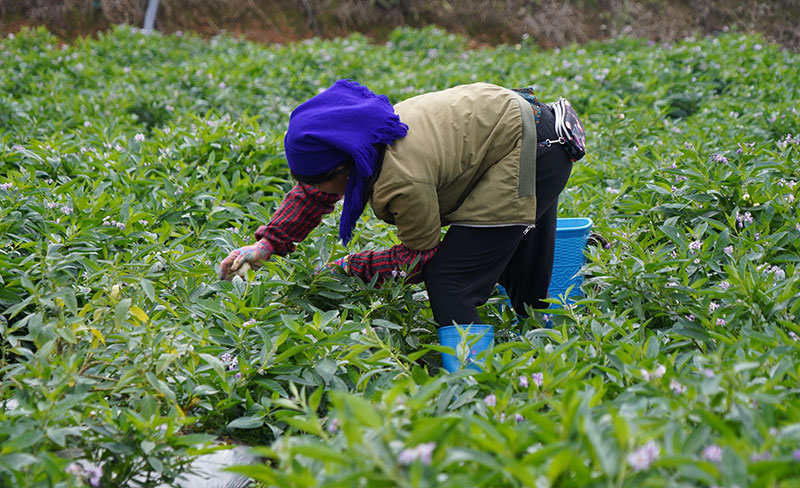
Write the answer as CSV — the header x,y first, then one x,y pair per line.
x,y
341,124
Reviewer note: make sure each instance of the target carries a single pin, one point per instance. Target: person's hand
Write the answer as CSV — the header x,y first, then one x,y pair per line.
x,y
340,264
239,261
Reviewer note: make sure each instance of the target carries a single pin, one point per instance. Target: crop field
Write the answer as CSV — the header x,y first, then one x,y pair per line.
x,y
130,165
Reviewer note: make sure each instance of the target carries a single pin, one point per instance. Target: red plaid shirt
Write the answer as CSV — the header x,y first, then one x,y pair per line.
x,y
302,210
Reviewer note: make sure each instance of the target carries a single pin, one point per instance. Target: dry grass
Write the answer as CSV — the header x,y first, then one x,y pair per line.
x,y
550,22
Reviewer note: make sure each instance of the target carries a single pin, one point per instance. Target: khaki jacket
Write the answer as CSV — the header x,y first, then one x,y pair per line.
x,y
469,158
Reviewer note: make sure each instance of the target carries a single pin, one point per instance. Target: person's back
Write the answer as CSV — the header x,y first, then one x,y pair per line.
x,y
460,160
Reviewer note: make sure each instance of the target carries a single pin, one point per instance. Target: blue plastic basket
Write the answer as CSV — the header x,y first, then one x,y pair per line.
x,y
571,237
479,337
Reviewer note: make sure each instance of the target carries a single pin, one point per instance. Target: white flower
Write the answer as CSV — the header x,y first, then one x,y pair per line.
x,y
139,137
659,372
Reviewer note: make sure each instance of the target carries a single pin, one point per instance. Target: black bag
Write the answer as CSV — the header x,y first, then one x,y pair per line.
x,y
569,130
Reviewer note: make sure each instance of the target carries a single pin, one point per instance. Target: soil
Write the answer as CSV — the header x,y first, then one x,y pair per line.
x,y
551,23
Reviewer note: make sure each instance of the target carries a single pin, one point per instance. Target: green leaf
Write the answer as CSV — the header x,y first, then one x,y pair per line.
x,y
246,423
147,288
321,452
326,368
602,445
121,311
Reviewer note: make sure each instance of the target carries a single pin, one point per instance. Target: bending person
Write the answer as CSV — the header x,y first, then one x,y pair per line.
x,y
480,158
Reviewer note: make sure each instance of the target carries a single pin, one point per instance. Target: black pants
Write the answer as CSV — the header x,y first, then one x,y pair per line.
x,y
463,273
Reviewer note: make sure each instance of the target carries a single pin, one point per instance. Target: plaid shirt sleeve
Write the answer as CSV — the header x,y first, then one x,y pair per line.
x,y
302,210
395,261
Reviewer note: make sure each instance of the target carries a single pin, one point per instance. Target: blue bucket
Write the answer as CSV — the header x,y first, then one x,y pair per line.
x,y
478,337
571,237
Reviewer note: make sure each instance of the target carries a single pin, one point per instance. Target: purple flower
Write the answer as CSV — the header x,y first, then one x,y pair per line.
x,y
642,458
138,138
793,336
94,473
226,357
523,381
721,322
333,426
659,371
518,417
74,469
765,456
237,375
747,218
538,379
423,452
249,323
407,456
796,454
676,387
690,317
490,400
7,186
728,250
713,306
719,158
695,246
724,284
712,453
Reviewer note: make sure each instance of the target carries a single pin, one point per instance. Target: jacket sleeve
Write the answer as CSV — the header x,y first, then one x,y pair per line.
x,y
415,211
300,212
397,261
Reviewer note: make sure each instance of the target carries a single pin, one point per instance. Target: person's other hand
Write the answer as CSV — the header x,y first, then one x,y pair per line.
x,y
239,261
